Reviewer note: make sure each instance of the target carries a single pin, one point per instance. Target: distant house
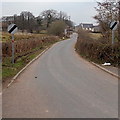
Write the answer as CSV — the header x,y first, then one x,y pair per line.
x,y
85,26
88,27
96,28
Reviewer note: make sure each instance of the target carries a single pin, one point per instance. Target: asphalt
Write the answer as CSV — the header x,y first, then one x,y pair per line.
x,y
112,69
61,84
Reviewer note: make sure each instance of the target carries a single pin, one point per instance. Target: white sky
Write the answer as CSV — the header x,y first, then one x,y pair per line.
x,y
50,0
79,10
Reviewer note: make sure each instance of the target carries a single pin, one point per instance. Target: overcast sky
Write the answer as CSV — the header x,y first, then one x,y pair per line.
x,y
79,11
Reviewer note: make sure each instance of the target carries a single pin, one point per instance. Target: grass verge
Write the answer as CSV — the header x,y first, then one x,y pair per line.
x,y
9,70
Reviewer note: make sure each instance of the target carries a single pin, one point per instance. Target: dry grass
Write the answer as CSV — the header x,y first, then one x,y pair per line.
x,y
95,36
6,37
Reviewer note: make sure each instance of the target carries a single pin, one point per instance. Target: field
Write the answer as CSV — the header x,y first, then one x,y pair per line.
x,y
6,37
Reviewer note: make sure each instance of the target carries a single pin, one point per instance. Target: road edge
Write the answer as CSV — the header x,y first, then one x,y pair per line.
x,y
26,66
16,76
102,68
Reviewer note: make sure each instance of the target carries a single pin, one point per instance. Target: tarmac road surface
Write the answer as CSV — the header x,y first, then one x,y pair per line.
x,y
61,84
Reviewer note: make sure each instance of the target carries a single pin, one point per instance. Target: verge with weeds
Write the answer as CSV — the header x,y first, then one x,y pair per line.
x,y
25,51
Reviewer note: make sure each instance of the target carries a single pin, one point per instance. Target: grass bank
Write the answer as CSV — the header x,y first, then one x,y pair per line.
x,y
21,59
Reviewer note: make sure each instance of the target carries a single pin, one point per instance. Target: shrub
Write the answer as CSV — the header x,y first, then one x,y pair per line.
x,y
57,28
25,46
96,50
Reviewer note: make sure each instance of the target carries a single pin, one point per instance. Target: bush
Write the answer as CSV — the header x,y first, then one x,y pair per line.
x,y
57,28
96,50
25,46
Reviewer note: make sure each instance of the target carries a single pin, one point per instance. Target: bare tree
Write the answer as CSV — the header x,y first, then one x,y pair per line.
x,y
28,20
107,12
49,16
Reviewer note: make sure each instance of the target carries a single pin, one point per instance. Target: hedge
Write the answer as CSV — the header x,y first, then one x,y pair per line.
x,y
96,51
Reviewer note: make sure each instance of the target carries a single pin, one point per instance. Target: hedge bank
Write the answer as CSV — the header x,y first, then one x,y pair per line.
x,y
97,51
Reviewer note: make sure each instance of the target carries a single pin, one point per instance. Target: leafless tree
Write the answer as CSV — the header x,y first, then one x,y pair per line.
x,y
107,12
49,16
26,21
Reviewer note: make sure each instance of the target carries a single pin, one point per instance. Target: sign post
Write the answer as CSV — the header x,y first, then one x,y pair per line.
x,y
113,36
13,49
12,28
113,27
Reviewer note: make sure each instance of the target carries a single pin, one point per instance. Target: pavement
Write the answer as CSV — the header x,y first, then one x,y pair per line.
x,y
61,84
111,69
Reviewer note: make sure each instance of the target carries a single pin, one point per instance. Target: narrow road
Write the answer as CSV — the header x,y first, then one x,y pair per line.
x,y
60,84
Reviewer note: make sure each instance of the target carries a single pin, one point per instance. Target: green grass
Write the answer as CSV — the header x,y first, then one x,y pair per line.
x,y
9,69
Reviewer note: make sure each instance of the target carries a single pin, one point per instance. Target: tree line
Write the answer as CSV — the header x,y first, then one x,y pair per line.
x,y
26,21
